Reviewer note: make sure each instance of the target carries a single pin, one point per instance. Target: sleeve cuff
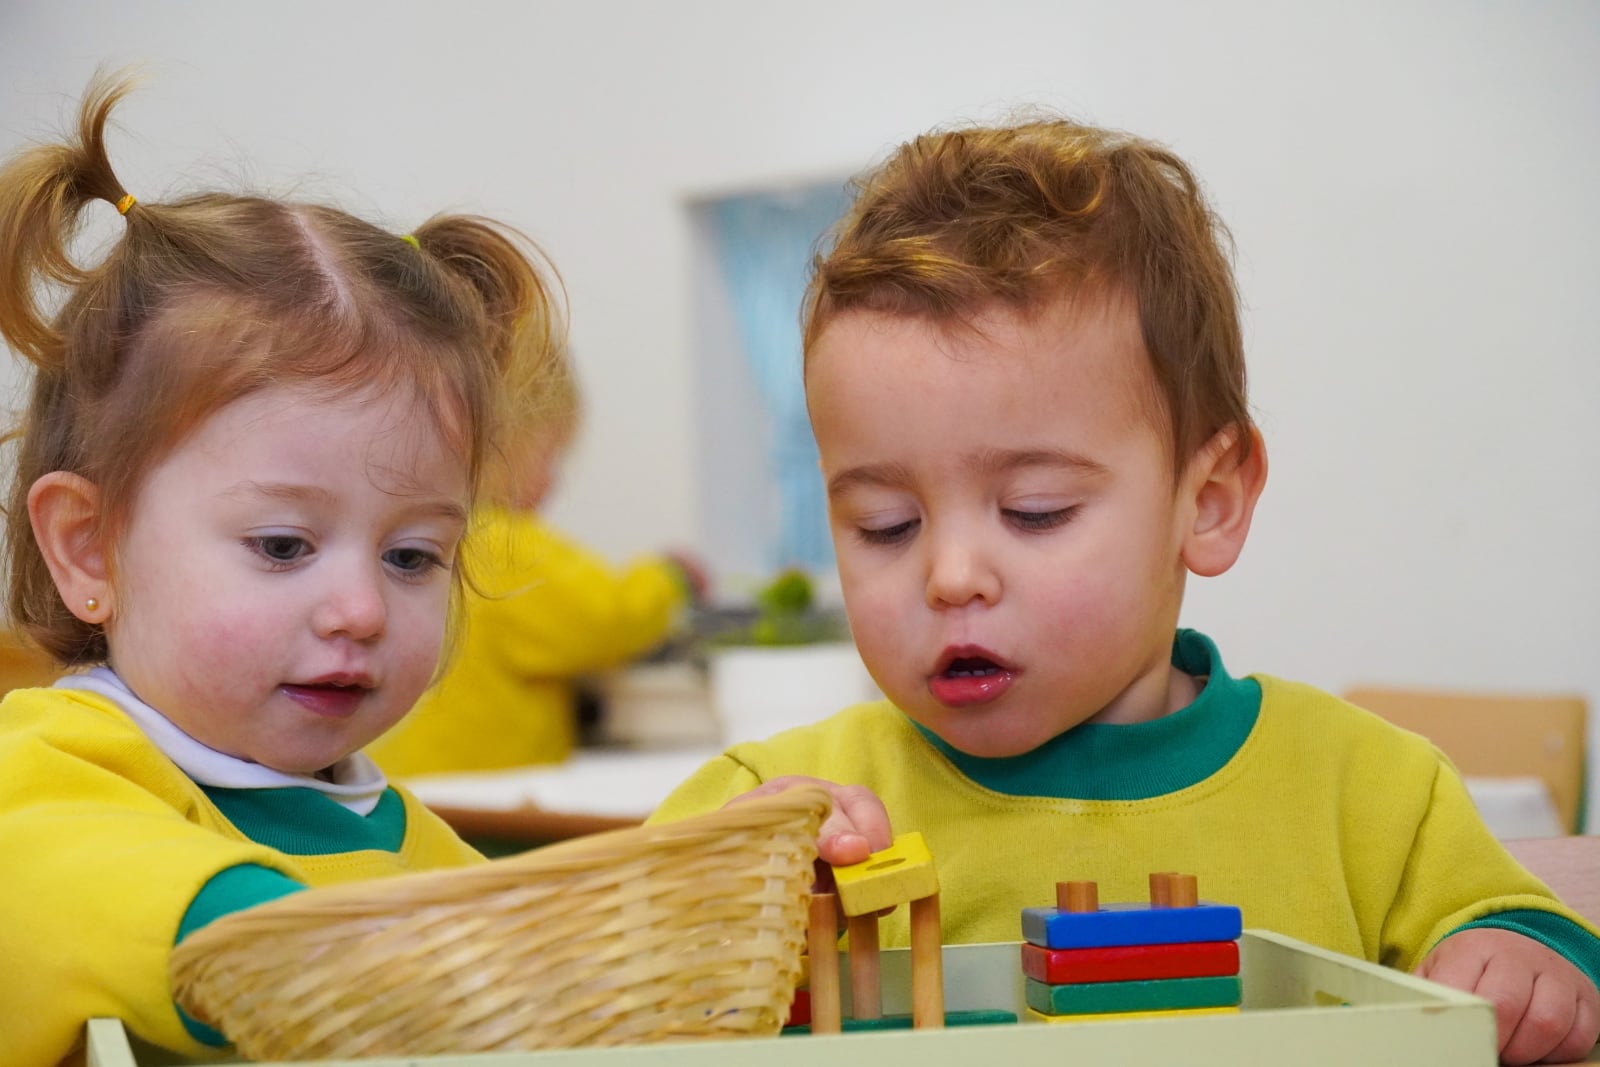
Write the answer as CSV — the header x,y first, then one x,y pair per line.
x,y
230,890
1556,932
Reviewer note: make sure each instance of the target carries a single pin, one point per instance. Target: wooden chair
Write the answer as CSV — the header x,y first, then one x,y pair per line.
x,y
1497,735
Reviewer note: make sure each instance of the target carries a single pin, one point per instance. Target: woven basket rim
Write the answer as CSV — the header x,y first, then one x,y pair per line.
x,y
386,896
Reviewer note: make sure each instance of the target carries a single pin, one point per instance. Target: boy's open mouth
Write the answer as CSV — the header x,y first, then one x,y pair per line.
x,y
969,676
971,667
968,661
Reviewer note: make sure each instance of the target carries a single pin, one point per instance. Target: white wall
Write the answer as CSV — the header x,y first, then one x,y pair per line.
x,y
1411,186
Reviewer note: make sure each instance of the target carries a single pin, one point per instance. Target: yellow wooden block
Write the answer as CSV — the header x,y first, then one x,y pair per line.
x,y
1119,1016
900,873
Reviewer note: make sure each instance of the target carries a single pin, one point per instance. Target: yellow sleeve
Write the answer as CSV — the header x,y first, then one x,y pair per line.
x,y
708,789
555,609
1480,878
100,864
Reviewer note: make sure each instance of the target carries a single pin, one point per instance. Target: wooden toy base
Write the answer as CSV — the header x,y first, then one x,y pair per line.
x,y
1301,1005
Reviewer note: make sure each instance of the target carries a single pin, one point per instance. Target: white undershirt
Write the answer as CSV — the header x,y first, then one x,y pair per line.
x,y
356,784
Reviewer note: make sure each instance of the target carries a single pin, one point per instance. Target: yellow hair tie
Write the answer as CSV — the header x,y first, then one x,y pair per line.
x,y
127,201
411,239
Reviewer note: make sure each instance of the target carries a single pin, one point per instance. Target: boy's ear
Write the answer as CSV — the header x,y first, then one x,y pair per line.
x,y
65,512
1224,482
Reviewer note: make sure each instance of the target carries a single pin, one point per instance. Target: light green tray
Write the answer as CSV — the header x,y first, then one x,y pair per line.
x,y
1302,1005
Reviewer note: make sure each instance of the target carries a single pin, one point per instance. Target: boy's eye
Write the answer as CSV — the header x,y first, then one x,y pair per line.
x,y
1038,521
279,548
412,560
888,535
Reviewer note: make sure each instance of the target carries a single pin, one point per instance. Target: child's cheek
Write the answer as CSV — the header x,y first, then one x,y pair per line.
x,y
878,623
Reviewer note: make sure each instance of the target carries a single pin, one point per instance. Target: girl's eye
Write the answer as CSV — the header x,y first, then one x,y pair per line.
x,y
279,548
1040,521
888,535
412,560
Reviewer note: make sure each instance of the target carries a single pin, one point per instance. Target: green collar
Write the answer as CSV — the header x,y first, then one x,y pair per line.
x,y
1100,761
304,822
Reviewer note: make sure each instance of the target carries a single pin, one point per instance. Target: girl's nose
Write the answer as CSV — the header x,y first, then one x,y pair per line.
x,y
353,607
959,573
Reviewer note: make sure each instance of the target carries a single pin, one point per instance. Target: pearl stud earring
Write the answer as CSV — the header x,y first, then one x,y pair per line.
x,y
92,604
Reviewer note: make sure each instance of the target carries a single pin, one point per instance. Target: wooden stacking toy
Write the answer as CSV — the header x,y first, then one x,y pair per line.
x,y
903,873
1175,955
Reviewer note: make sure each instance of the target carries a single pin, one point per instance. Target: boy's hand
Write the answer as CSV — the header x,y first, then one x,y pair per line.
x,y
1545,1008
857,826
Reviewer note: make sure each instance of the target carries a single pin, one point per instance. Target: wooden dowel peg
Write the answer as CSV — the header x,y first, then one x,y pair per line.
x,y
927,965
822,945
866,992
1161,888
1077,896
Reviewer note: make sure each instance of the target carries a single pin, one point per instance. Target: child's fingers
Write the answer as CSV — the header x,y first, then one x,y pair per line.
x,y
857,825
1585,1030
1546,1021
857,813
1510,990
1459,963
1546,1010
839,846
1452,965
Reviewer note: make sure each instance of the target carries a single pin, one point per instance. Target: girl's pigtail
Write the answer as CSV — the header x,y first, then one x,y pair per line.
x,y
522,299
42,195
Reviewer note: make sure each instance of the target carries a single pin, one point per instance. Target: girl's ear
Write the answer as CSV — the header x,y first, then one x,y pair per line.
x,y
65,512
1224,481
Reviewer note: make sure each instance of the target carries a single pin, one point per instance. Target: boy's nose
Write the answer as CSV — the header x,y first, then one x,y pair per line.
x,y
353,607
959,573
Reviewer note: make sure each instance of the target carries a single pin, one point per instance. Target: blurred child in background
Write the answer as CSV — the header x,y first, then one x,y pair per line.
x,y
541,612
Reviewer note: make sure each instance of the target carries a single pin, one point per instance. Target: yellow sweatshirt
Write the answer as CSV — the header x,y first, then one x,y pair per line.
x,y
549,610
1318,819
105,844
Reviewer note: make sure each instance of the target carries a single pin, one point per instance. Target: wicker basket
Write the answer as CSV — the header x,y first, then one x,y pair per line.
x,y
684,931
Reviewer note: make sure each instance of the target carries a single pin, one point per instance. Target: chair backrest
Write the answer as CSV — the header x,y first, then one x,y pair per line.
x,y
24,664
1542,736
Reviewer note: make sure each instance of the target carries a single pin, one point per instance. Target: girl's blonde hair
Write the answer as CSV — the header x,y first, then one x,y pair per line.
x,y
208,298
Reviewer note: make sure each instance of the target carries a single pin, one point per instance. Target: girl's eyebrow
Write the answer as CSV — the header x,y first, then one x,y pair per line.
x,y
294,492
291,491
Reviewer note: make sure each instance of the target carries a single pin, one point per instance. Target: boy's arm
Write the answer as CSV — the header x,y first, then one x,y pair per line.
x,y
720,780
856,825
1490,927
1459,875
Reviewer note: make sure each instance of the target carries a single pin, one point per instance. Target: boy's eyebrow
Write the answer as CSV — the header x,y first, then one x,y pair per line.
x,y
999,460
990,461
885,475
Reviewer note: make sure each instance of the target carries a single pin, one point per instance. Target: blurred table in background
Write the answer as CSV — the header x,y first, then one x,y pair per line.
x,y
595,790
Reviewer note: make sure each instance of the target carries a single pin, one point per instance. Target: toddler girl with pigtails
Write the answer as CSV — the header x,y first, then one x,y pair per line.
x,y
251,448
